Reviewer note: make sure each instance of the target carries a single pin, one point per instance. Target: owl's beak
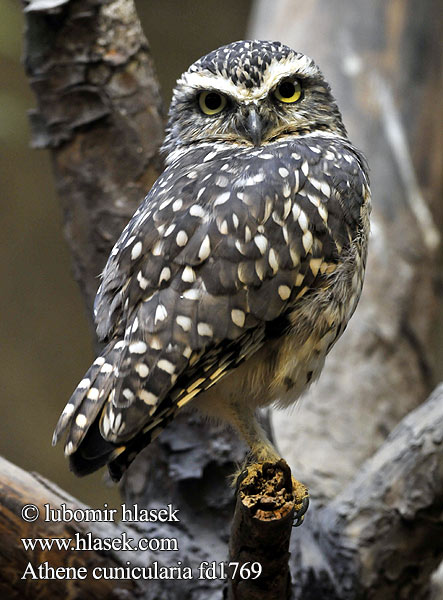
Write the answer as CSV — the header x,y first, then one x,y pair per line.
x,y
253,126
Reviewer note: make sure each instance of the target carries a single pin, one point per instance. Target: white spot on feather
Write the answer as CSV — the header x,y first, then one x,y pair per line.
x,y
222,198
204,329
136,250
191,294
210,156
284,292
143,283
273,260
147,397
188,275
128,394
315,264
169,230
205,248
166,365
307,241
142,369
157,248
164,275
197,211
138,347
238,317
303,221
160,313
223,228
81,421
296,210
93,394
184,322
68,410
181,238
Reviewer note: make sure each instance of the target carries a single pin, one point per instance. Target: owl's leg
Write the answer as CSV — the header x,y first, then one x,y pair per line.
x,y
262,451
245,422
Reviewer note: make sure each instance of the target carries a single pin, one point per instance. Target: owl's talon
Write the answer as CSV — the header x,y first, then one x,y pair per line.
x,y
239,477
301,499
299,515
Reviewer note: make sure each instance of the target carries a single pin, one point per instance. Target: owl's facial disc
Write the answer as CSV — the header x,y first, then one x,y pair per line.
x,y
250,93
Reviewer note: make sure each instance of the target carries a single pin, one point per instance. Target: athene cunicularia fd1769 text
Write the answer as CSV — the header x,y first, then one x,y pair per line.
x,y
241,268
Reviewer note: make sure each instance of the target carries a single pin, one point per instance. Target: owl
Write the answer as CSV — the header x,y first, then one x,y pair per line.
x,y
240,269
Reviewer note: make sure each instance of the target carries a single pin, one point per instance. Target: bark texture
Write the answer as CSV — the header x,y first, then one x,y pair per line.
x,y
382,535
100,113
267,502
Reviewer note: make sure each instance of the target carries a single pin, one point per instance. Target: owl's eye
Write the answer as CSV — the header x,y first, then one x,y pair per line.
x,y
288,90
211,103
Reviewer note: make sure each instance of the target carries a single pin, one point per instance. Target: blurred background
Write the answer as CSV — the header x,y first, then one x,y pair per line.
x,y
46,344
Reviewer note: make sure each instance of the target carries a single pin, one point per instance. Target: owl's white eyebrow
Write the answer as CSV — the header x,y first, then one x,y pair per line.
x,y
203,81
301,65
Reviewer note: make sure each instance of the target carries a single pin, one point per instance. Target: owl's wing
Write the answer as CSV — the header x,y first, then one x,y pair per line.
x,y
219,250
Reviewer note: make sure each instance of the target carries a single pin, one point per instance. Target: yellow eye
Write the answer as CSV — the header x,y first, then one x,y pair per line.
x,y
288,90
211,103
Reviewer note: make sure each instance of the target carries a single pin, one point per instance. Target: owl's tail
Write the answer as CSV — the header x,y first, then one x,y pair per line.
x,y
95,452
86,447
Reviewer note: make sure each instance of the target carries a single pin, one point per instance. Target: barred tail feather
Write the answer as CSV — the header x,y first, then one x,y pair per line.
x,y
88,399
86,446
95,452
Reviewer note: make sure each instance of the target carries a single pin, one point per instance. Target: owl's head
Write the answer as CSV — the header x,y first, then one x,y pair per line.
x,y
250,93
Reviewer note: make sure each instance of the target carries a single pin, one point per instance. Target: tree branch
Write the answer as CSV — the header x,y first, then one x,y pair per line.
x,y
267,502
18,488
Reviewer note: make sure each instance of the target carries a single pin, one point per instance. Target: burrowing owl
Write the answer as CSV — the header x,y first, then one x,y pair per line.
x,y
240,269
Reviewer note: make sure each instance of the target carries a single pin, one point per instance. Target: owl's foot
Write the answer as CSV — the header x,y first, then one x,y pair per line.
x,y
301,501
270,492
